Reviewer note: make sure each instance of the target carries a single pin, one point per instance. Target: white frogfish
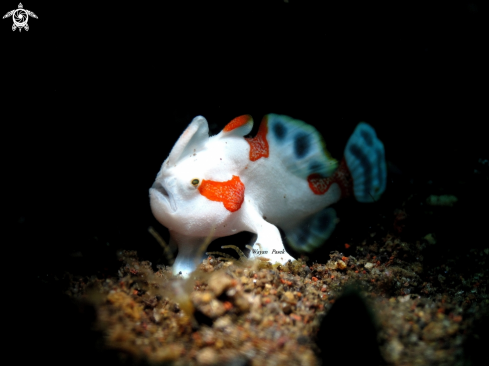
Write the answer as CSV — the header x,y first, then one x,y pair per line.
x,y
224,184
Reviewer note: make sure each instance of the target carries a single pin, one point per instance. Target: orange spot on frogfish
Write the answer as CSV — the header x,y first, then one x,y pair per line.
x,y
342,176
259,144
237,122
318,184
230,193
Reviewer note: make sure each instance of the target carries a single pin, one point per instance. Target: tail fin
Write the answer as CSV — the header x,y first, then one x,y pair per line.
x,y
365,158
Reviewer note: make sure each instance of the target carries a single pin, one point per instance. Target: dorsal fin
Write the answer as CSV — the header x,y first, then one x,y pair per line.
x,y
194,137
301,147
240,126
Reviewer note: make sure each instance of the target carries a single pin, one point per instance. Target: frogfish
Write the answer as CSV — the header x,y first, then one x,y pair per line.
x,y
216,186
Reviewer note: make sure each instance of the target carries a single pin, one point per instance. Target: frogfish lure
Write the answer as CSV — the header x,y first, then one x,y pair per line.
x,y
284,176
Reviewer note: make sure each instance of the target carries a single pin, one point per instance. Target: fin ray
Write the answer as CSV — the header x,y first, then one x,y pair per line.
x,y
240,126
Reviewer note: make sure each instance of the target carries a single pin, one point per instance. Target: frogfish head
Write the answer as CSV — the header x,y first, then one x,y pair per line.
x,y
176,201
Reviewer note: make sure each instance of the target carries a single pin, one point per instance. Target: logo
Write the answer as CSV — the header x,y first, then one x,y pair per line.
x,y
20,17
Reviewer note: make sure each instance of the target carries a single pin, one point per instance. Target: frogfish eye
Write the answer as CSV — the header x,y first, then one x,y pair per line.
x,y
195,182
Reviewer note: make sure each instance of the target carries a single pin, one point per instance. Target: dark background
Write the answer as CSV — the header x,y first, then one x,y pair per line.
x,y
94,96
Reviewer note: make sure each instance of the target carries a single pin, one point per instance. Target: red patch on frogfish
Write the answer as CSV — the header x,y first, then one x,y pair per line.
x,y
259,144
318,184
230,193
237,122
342,176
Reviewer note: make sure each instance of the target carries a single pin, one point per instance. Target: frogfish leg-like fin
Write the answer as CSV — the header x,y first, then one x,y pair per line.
x,y
190,252
268,242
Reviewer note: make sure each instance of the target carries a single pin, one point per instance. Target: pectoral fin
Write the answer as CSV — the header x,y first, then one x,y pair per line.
x,y
268,242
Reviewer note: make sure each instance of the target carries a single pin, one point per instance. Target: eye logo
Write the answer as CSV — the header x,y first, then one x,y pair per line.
x,y
20,17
